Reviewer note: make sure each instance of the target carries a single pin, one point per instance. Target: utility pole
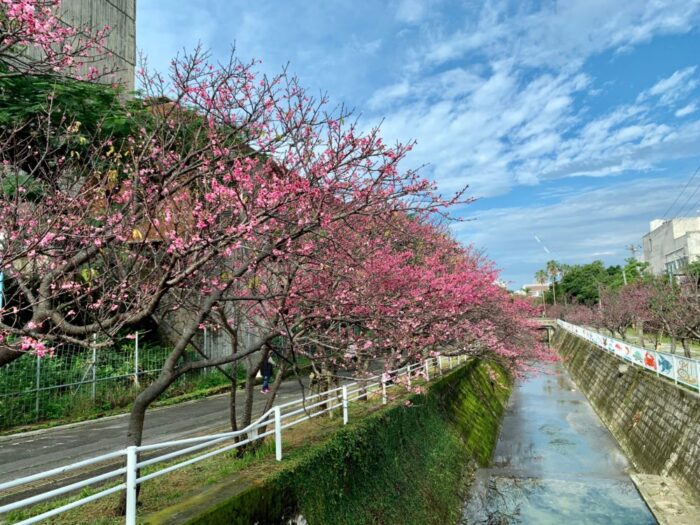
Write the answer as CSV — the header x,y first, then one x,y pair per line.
x,y
633,250
624,276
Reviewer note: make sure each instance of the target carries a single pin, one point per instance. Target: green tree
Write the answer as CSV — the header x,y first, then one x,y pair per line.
x,y
693,271
581,282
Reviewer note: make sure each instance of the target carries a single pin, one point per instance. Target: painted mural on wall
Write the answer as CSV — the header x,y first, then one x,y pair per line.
x,y
679,369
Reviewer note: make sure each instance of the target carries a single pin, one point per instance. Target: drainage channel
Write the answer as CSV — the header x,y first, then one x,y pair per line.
x,y
555,463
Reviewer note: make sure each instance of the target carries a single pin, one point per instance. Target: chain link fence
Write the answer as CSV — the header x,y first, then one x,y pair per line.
x,y
79,383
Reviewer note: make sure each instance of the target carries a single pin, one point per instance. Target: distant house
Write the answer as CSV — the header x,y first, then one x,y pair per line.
x,y
535,290
671,245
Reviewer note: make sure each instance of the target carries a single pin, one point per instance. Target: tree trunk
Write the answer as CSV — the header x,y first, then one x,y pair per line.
x,y
165,378
686,346
623,333
234,381
364,369
7,355
232,415
134,436
249,393
673,344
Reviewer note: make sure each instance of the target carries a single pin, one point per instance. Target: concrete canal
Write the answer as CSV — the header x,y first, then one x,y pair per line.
x,y
555,463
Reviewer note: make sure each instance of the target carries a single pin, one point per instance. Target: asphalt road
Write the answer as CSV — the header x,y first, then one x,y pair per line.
x,y
32,452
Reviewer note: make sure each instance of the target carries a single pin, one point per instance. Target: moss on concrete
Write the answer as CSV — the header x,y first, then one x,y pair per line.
x,y
403,464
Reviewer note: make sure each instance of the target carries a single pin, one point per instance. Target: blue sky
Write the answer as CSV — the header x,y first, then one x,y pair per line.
x,y
575,121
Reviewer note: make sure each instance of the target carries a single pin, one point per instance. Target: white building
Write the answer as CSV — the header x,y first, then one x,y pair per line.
x,y
671,245
502,284
535,289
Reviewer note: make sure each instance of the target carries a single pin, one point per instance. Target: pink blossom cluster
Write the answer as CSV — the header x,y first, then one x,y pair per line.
x,y
34,24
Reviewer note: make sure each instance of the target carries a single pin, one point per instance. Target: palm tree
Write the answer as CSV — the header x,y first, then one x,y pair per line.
x,y
553,269
541,278
563,270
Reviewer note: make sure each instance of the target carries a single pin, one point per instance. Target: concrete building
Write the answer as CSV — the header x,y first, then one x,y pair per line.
x,y
120,16
500,283
536,289
671,245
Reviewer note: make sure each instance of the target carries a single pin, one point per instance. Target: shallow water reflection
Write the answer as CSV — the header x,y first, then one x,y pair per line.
x,y
554,463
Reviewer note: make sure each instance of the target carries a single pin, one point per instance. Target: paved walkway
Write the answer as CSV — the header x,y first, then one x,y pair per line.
x,y
633,339
37,451
669,503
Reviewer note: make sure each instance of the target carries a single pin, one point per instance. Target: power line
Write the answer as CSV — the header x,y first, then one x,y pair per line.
x,y
665,215
681,211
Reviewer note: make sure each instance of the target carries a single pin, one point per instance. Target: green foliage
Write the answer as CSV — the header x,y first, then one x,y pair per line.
x,y
13,183
580,283
693,270
24,98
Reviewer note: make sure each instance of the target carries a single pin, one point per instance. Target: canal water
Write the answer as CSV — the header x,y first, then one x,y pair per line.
x,y
555,463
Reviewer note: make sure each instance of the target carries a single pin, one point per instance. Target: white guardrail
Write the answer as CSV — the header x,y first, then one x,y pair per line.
x,y
680,369
278,418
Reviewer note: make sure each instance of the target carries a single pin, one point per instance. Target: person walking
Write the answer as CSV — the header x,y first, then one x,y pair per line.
x,y
266,370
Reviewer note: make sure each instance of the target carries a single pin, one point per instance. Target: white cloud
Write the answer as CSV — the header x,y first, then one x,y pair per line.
x,y
514,111
510,128
561,32
411,11
389,94
673,88
585,225
686,110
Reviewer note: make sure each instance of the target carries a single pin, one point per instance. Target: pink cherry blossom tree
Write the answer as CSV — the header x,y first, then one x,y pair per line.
x,y
33,40
238,202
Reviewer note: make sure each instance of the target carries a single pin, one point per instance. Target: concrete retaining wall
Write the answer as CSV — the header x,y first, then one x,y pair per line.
x,y
656,423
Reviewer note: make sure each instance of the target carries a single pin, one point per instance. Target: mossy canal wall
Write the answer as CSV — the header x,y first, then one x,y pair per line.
x,y
656,423
402,464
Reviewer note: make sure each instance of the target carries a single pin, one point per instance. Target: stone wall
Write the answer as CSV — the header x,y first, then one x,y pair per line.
x,y
656,423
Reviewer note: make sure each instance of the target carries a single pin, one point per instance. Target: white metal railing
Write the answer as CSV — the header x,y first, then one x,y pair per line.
x,y
278,418
680,369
